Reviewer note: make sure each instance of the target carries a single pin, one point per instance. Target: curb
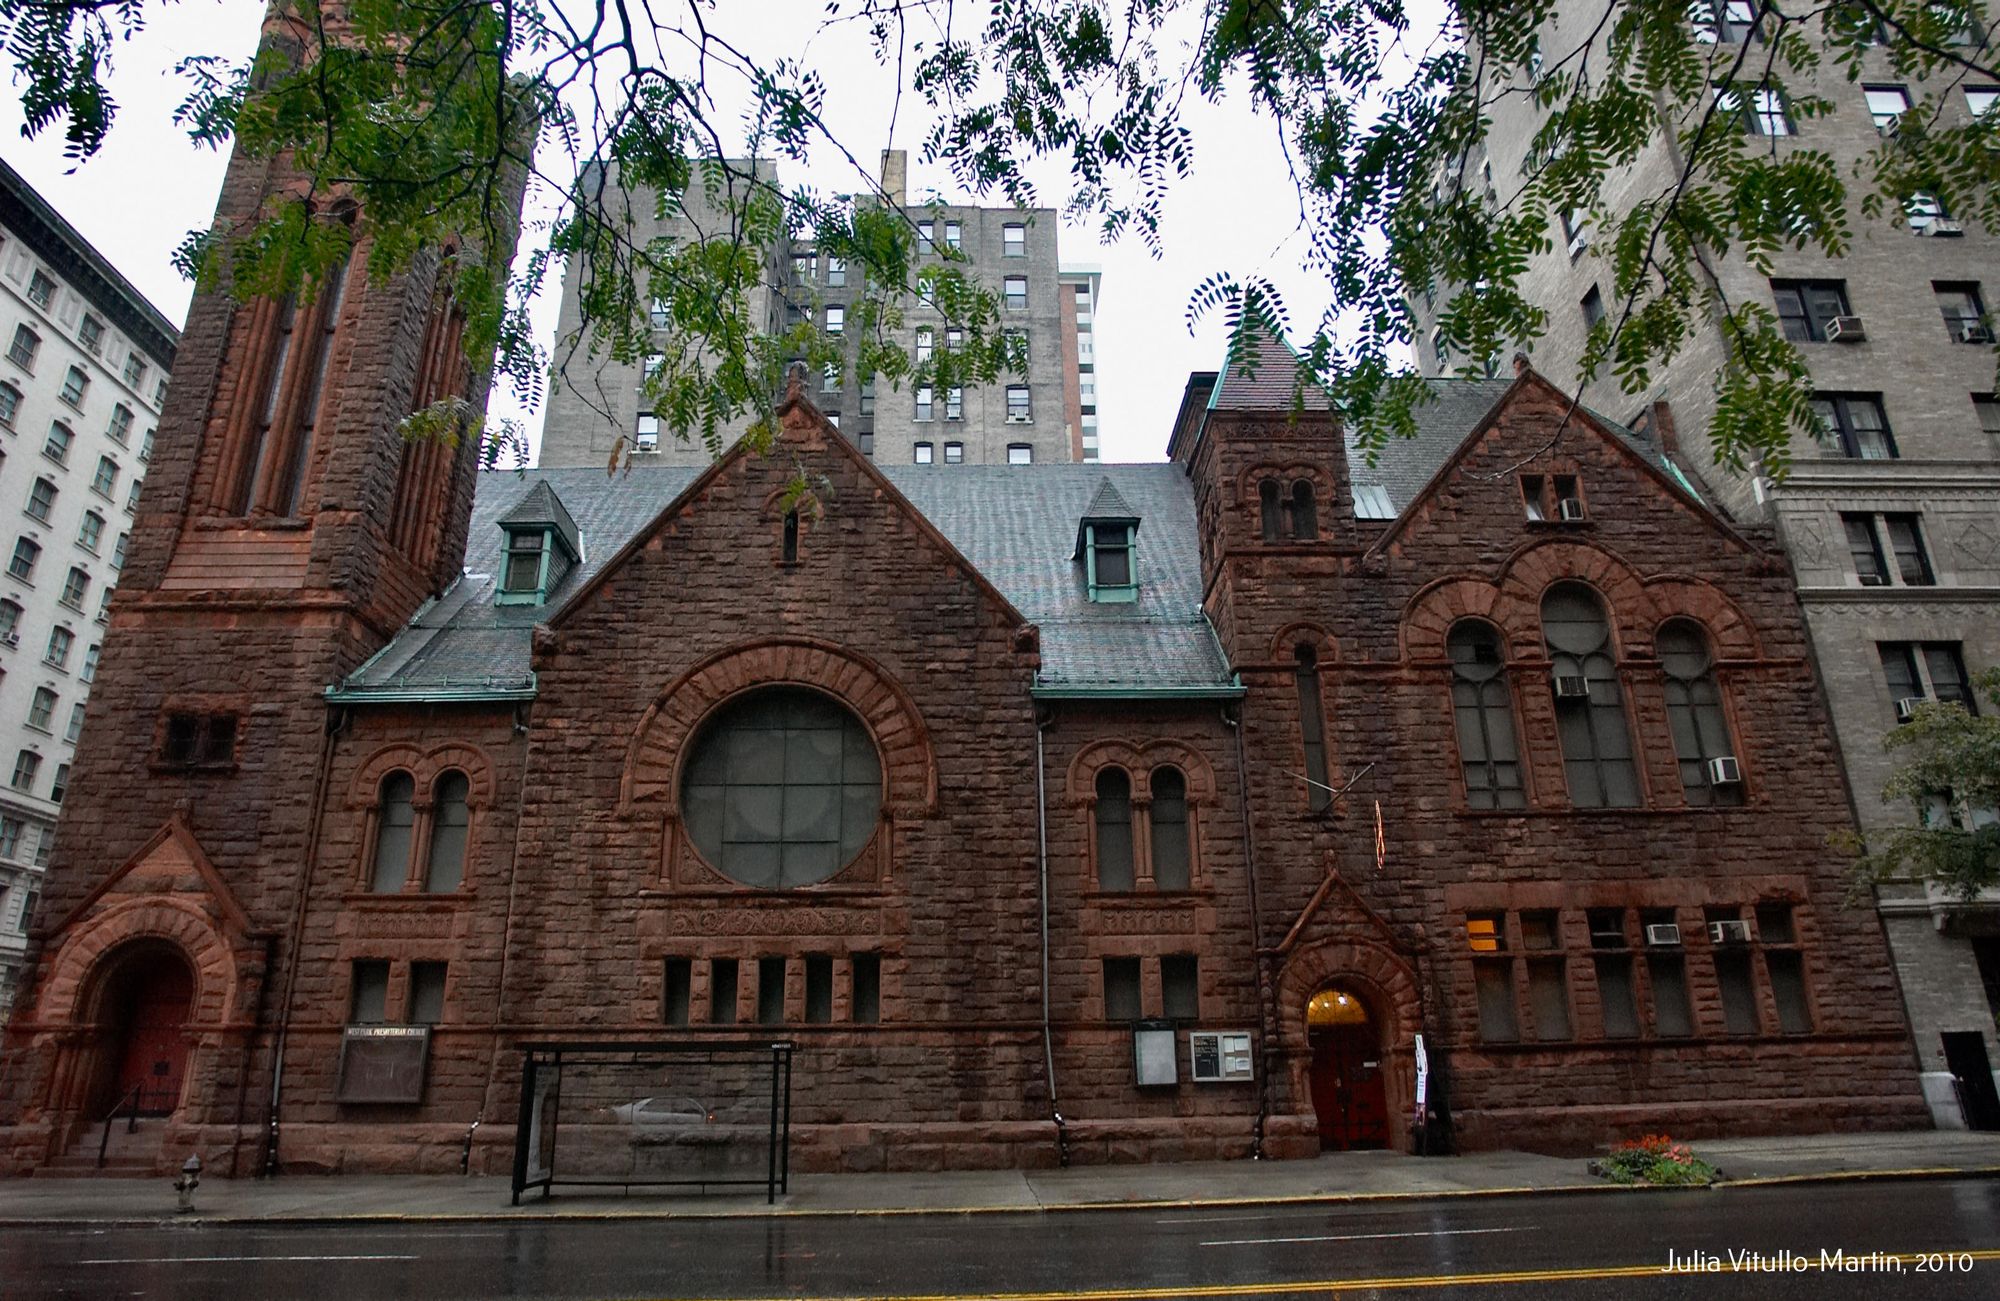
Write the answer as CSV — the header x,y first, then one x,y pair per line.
x,y
512,1215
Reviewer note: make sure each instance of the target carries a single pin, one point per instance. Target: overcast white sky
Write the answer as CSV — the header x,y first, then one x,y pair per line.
x,y
141,195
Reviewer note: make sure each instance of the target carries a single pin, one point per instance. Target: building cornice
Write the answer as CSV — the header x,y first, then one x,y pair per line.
x,y
1909,595
90,273
1853,476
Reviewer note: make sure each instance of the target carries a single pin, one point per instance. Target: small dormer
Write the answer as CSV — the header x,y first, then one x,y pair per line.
x,y
1107,543
543,545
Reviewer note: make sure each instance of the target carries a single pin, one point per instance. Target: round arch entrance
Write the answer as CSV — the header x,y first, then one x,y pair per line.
x,y
143,1005
1348,1093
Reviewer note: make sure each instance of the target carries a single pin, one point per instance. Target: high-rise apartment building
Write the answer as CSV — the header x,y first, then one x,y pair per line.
x,y
1018,419
81,381
1892,522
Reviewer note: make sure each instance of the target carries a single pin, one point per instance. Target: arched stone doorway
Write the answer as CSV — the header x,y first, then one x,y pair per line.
x,y
144,1002
1349,1091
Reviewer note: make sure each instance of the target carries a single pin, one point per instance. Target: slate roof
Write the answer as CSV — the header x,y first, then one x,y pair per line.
x,y
1017,524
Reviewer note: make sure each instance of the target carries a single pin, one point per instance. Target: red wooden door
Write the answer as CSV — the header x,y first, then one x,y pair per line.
x,y
1347,1088
155,1057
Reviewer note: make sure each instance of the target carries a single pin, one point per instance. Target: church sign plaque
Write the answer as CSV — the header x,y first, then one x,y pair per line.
x,y
383,1063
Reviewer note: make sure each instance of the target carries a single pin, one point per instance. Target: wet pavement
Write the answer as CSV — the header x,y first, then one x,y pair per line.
x,y
1583,1245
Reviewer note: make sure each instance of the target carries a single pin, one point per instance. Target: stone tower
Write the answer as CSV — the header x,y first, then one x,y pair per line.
x,y
287,530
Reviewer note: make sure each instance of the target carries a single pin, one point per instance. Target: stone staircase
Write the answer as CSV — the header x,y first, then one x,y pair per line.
x,y
130,1154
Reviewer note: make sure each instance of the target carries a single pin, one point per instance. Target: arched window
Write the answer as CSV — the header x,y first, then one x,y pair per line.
x,y
1305,515
1171,856
444,866
1268,510
1590,710
1114,829
789,551
1312,730
1694,712
395,820
1484,705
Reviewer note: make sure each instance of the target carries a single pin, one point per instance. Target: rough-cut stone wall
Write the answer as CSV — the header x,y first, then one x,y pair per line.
x,y
1378,621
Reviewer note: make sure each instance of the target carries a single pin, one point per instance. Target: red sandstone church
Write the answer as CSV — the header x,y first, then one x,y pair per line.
x,y
959,778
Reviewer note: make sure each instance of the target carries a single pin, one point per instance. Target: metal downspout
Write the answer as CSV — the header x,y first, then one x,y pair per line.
x,y
1042,723
1266,995
335,726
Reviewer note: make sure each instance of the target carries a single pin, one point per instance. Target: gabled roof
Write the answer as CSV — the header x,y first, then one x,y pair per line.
x,y
1263,375
542,507
1106,507
1014,523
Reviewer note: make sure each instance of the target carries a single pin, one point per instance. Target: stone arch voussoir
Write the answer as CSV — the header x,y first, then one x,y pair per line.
x,y
85,954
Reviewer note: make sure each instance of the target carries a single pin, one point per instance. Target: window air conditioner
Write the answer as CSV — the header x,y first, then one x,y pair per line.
x,y
1570,509
1572,686
1663,935
1906,708
1019,420
1974,332
1723,770
1845,329
646,443
11,639
1943,226
1888,129
1729,932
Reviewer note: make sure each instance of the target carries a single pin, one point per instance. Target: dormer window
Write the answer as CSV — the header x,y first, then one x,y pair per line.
x,y
527,553
543,545
1104,543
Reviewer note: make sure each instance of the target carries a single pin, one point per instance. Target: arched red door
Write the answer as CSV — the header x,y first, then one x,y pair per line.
x,y
149,1000
1349,1095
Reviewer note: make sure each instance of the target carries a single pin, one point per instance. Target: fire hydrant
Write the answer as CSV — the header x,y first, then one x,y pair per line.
x,y
189,1181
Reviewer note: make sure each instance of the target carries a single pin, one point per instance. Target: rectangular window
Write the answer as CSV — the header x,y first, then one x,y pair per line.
x,y
819,987
75,729
722,991
10,837
865,973
1548,998
1672,1018
1906,540
829,380
90,333
24,347
1016,291
1180,987
60,785
1885,105
1495,984
427,992
74,383
1110,557
1739,996
76,585
954,235
41,288
1964,311
954,404
927,231
802,267
26,552
1915,670
41,497
1014,240
1593,308
1017,403
770,991
1121,989
1986,407
56,446
926,404
1866,548
1946,667
1532,498
1541,930
120,428
1857,425
926,345
106,479
1614,996
368,994
954,453
135,369
10,405
26,765
1486,932
1020,454
41,711
679,990
925,453
60,641
1766,114
836,272
1979,100
1807,307
1786,969
1732,22
836,320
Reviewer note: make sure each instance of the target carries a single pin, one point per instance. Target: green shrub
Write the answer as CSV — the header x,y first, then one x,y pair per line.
x,y
1655,1159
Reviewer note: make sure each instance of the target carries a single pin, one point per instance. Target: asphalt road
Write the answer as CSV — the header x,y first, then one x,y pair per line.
x,y
1582,1246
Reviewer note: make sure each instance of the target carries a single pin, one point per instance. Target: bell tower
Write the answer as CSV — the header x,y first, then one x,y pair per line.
x,y
286,531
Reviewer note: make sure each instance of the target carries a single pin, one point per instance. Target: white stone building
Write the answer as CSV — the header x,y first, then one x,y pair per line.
x,y
84,360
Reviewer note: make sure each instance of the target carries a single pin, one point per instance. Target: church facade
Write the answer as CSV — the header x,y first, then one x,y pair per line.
x,y
1286,783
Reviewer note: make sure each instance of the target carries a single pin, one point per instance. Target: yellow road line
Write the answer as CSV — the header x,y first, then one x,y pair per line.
x,y
1334,1286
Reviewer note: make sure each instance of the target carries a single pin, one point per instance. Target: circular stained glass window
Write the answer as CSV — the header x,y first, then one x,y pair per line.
x,y
782,788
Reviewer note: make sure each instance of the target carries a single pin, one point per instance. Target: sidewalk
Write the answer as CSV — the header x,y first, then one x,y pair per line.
x,y
1352,1176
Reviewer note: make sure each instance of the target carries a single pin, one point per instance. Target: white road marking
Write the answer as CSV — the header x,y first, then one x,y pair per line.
x,y
199,1260
1363,1237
